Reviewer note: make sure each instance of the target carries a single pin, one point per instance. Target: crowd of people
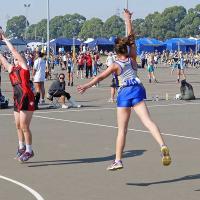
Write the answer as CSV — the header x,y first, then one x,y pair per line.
x,y
191,58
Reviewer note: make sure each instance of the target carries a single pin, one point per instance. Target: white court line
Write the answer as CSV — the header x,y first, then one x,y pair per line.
x,y
33,192
6,114
97,109
108,126
173,104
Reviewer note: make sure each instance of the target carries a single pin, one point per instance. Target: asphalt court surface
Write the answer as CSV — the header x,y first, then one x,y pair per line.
x,y
73,148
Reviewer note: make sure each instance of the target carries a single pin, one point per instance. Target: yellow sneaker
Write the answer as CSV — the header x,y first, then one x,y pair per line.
x,y
166,159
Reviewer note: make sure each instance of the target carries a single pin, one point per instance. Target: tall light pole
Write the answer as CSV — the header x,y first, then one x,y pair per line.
x,y
126,4
126,24
48,19
26,15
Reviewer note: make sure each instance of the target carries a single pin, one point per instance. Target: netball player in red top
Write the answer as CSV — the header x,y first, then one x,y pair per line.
x,y
23,99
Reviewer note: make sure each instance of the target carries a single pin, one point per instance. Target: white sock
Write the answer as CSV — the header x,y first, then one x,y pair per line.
x,y
21,145
28,148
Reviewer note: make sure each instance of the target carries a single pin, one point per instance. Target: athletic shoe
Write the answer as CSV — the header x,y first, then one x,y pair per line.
x,y
115,165
166,159
26,156
42,102
155,81
20,152
111,100
65,106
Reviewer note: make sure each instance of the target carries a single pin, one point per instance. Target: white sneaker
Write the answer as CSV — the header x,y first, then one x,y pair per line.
x,y
76,106
65,106
111,100
42,102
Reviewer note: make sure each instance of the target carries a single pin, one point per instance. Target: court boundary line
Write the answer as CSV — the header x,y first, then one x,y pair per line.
x,y
33,192
97,109
115,127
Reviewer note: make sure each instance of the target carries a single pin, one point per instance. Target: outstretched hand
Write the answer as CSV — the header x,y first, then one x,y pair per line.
x,y
127,14
81,89
2,34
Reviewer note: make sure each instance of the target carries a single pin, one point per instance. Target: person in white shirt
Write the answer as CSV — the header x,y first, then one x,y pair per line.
x,y
64,59
114,83
110,59
39,78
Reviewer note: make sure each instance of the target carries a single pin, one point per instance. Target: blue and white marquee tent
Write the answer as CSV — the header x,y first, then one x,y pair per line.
x,y
149,45
102,44
180,44
65,43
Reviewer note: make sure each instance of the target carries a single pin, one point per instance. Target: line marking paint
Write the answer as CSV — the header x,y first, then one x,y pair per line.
x,y
98,109
115,127
33,192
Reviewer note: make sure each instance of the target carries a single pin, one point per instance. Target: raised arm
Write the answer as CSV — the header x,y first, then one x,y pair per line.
x,y
15,53
111,69
5,63
130,33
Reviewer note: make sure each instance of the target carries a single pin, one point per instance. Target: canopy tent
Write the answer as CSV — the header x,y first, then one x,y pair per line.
x,y
180,44
35,45
101,44
149,45
65,43
113,38
19,44
88,40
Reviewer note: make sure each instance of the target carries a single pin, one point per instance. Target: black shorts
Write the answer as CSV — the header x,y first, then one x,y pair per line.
x,y
65,63
69,69
60,93
23,101
80,67
26,105
114,83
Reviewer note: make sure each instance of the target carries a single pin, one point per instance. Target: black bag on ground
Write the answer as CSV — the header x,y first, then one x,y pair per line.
x,y
3,102
187,92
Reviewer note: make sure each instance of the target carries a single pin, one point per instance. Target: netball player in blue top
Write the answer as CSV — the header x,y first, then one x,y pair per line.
x,y
131,94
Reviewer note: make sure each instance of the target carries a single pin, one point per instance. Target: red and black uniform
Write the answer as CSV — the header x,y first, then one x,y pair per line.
x,y
23,95
81,61
88,59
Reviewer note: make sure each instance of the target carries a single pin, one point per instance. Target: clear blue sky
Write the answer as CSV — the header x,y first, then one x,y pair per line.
x,y
88,8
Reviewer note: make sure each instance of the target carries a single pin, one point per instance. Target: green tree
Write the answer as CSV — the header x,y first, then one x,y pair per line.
x,y
41,29
92,28
32,32
148,24
72,25
56,27
171,19
114,26
189,26
139,27
16,26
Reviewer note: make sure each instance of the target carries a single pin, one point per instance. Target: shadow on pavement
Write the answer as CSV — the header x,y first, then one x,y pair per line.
x,y
184,178
126,154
